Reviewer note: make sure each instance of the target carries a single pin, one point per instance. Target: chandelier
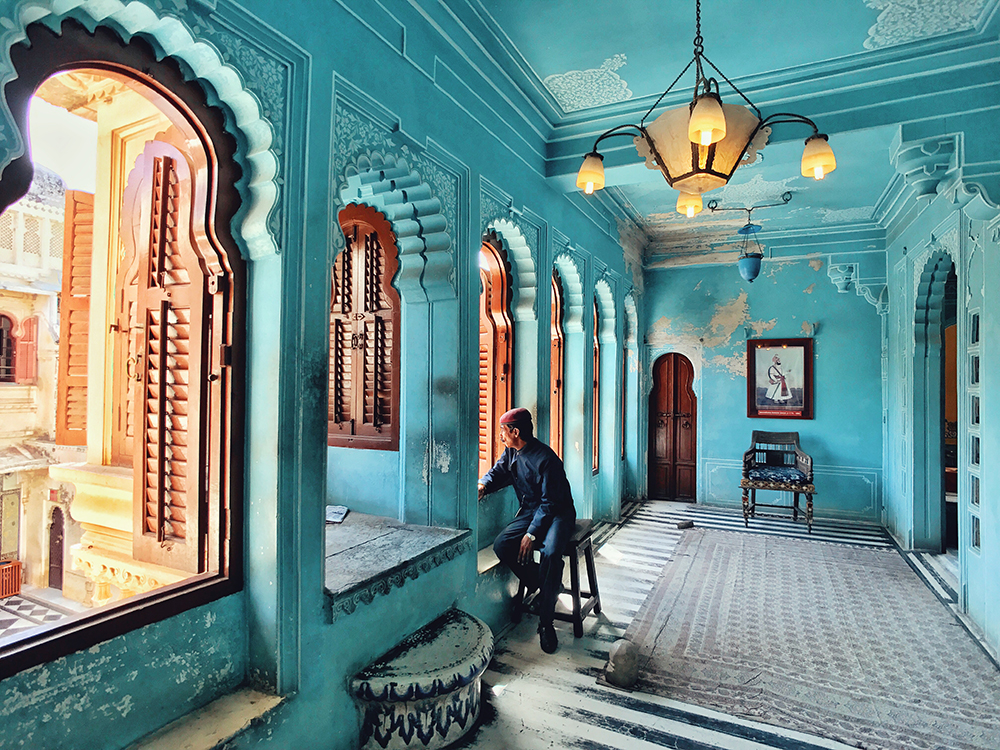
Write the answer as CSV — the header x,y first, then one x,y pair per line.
x,y
699,145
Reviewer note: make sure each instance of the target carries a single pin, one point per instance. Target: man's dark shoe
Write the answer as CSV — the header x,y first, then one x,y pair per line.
x,y
547,638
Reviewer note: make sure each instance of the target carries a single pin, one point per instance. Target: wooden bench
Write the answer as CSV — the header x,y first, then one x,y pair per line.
x,y
425,691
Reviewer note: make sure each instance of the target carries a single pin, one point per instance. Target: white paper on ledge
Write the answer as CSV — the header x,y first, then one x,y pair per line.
x,y
335,513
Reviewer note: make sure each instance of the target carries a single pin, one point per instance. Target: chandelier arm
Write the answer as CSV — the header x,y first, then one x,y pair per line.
x,y
642,122
734,88
615,131
786,118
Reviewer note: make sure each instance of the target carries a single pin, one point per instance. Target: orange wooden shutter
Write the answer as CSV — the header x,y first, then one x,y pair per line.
x,y
556,369
169,459
26,355
487,391
74,319
496,352
364,330
597,392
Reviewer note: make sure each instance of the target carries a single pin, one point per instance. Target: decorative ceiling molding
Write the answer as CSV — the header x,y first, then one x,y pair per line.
x,y
902,21
583,89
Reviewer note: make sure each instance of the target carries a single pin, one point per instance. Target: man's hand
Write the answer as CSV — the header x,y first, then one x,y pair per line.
x,y
482,492
527,548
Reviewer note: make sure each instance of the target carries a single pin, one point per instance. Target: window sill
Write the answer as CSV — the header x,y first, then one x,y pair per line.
x,y
213,725
369,555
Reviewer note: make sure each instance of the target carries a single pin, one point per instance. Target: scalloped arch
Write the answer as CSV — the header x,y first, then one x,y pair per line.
x,y
174,39
569,272
631,320
929,300
606,309
387,182
525,276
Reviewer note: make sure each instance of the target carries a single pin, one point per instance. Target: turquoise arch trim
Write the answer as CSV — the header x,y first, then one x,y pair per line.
x,y
176,40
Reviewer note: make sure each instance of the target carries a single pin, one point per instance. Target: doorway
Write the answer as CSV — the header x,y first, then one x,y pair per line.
x,y
673,420
56,550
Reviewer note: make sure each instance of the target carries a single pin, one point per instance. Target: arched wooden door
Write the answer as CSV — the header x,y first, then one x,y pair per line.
x,y
673,420
56,550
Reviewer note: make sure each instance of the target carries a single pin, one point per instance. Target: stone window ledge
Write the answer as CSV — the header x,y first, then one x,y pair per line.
x,y
368,556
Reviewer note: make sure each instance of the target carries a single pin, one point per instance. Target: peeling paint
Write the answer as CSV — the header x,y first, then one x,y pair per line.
x,y
436,455
736,365
761,326
809,289
816,264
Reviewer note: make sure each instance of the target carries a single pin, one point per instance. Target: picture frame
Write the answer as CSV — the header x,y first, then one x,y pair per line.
x,y
780,378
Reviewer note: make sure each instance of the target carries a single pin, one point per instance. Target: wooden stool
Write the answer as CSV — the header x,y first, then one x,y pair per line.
x,y
584,602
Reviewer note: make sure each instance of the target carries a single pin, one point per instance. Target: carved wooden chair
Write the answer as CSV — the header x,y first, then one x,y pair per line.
x,y
776,462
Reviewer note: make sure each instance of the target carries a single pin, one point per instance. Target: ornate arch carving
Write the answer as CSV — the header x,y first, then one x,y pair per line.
x,y
572,281
171,37
523,264
389,184
606,309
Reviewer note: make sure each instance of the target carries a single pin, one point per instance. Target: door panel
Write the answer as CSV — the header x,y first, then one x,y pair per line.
x,y
673,430
56,550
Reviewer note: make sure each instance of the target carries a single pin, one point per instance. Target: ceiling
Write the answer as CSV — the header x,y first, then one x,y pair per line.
x,y
591,64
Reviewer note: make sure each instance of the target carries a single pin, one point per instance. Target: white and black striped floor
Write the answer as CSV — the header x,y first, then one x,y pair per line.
x,y
534,700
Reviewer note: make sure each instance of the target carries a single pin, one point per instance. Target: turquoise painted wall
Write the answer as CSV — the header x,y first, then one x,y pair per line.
x,y
366,481
392,89
105,697
705,312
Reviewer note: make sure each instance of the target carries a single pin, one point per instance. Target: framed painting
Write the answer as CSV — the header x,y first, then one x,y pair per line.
x,y
780,378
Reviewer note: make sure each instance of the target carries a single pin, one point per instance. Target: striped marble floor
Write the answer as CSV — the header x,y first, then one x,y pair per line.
x,y
533,700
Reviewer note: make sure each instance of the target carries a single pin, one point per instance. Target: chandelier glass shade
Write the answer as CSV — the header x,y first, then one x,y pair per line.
x,y
698,146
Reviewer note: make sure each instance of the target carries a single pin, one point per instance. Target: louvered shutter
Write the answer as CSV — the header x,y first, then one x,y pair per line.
x,y
597,393
74,319
556,368
170,462
487,391
364,330
26,355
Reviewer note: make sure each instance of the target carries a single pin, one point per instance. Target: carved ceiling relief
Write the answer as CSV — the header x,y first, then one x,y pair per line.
x,y
582,89
902,21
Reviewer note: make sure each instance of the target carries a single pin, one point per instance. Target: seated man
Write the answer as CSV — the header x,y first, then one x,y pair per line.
x,y
545,520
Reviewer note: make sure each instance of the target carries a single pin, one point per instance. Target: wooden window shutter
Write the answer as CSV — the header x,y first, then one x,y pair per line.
x,y
171,461
496,351
26,355
364,335
74,319
597,391
556,369
7,349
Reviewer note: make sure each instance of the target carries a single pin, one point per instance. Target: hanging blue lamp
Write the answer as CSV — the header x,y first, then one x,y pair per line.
x,y
751,252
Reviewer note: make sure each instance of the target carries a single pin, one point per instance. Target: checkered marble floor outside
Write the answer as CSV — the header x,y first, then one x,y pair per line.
x,y
19,613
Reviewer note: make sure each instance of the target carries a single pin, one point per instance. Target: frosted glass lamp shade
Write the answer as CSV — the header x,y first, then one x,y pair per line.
x,y
817,158
591,174
689,204
695,168
708,123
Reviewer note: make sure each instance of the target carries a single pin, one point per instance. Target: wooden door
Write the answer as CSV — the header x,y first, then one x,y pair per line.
x,y
673,412
56,550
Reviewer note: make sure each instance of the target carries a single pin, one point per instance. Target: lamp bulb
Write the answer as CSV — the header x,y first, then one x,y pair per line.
x,y
589,189
690,212
706,137
818,172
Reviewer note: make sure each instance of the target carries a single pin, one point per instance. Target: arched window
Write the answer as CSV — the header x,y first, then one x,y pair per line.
x,y
496,351
558,346
597,391
364,335
6,349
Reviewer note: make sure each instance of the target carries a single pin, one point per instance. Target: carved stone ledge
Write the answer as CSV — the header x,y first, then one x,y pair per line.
x,y
369,556
841,276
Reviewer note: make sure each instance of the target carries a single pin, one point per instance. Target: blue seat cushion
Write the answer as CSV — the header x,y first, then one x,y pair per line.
x,y
786,474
